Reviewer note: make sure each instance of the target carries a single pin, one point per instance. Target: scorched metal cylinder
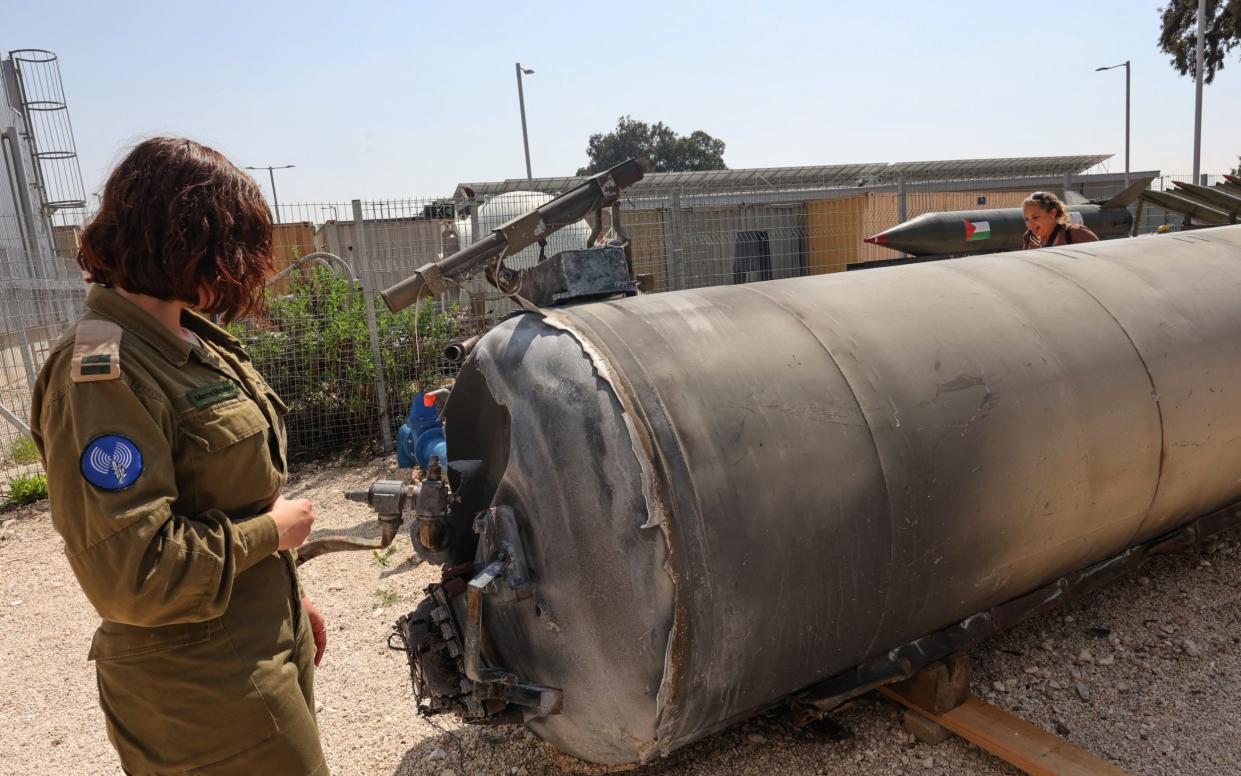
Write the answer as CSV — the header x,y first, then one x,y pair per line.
x,y
729,494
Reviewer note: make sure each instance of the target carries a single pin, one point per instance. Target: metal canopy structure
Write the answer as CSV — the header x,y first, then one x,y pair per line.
x,y
819,176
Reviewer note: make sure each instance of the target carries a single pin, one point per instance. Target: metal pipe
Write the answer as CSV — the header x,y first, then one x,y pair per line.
x,y
17,422
272,177
390,498
8,139
1200,54
1127,69
316,547
23,193
901,210
676,254
360,253
1125,65
457,352
329,260
521,100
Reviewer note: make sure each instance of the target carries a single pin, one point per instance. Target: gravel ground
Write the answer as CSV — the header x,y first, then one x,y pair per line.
x,y
1145,673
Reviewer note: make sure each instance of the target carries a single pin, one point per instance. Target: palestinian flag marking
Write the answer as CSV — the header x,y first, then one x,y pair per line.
x,y
977,230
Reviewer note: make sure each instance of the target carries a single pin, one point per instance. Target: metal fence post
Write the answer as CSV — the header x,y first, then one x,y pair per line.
x,y
368,299
676,274
902,212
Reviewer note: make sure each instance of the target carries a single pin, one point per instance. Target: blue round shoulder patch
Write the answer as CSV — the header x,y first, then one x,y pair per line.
x,y
111,462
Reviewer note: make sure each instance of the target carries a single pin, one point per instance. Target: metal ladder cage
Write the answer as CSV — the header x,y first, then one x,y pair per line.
x,y
41,99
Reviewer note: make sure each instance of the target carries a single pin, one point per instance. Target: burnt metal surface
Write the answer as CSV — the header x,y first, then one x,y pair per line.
x,y
576,276
551,437
730,495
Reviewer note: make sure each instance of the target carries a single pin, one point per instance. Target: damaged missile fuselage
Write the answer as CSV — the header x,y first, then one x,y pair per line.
x,y
670,512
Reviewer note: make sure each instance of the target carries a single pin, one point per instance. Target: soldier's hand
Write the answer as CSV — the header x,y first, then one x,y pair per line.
x,y
293,520
318,627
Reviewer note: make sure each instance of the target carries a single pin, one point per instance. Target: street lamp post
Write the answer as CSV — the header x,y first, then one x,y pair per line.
x,y
272,176
1199,57
1125,65
521,101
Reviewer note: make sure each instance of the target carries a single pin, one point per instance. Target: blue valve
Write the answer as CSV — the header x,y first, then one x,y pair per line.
x,y
422,435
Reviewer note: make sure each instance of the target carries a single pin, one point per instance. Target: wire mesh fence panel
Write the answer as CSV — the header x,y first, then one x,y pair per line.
x,y
41,294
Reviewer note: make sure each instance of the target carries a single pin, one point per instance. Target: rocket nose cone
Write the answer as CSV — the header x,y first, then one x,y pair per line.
x,y
877,239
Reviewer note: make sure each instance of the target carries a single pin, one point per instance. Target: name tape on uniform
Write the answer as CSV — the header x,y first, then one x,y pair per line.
x,y
212,393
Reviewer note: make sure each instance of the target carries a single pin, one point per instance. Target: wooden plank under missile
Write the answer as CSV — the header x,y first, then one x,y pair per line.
x,y
1216,198
1015,741
1188,207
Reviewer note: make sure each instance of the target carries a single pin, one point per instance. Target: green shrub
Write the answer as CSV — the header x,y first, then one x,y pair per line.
x,y
23,451
314,348
25,489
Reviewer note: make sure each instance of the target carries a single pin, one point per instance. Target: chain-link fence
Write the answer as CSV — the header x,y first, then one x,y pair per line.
x,y
348,368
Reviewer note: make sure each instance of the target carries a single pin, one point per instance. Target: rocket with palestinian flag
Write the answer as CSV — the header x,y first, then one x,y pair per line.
x,y
963,232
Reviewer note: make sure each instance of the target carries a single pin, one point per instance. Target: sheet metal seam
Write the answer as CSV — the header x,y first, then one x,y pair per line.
x,y
1149,377
891,566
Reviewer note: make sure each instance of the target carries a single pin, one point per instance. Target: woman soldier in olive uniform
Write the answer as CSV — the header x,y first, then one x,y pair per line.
x,y
165,454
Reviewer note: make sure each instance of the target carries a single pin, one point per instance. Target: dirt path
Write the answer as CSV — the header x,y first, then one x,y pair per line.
x,y
1146,673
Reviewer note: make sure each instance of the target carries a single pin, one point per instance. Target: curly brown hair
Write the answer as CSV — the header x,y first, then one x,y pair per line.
x,y
180,221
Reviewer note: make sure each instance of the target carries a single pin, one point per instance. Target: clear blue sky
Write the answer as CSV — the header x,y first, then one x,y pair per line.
x,y
395,100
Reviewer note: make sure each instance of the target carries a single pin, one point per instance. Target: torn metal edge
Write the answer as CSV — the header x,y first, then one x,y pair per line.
x,y
659,512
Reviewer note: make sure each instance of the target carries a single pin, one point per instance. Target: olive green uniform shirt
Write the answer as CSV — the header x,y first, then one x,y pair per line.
x,y
163,459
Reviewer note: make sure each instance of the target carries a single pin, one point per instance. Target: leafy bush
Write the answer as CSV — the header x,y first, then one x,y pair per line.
x,y
23,451
313,347
25,489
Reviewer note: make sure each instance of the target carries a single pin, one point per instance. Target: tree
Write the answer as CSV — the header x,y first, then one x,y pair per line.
x,y
1179,35
656,147
1237,170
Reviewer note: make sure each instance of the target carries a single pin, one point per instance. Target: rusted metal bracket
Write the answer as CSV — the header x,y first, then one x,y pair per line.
x,y
500,539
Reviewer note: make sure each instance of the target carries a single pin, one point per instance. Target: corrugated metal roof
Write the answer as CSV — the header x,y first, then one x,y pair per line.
x,y
820,176
791,195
